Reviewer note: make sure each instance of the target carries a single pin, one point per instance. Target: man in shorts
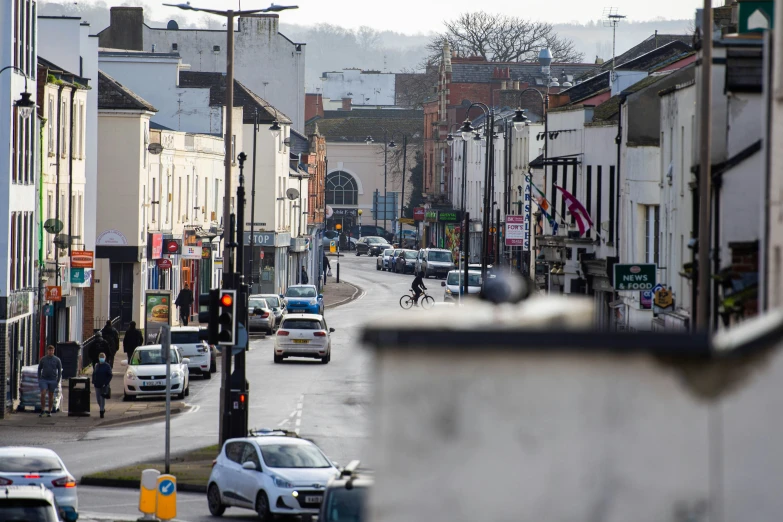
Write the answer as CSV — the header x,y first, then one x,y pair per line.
x,y
50,371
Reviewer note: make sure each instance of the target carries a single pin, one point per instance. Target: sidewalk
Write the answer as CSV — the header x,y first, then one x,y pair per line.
x,y
117,411
336,294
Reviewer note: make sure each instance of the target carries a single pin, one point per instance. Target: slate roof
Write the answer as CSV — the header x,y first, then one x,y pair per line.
x,y
356,130
608,111
587,88
482,72
375,113
654,59
650,44
243,96
114,95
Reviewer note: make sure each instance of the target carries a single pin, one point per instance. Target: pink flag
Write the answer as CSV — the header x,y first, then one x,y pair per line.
x,y
577,210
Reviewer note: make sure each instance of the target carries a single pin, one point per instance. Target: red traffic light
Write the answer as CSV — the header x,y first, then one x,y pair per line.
x,y
226,300
242,397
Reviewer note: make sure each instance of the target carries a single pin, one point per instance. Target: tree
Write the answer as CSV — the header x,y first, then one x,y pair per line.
x,y
417,186
413,88
502,38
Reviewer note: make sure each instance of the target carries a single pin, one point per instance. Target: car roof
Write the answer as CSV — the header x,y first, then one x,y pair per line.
x,y
9,451
265,440
150,347
438,250
185,328
266,295
303,316
470,271
301,286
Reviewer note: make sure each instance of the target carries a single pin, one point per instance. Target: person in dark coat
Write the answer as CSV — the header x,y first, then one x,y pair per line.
x,y
305,279
101,377
112,337
133,339
184,302
98,346
327,267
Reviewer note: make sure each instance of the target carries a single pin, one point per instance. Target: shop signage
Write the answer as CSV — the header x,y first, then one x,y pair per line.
x,y
516,231
191,252
77,276
431,216
419,213
663,298
82,258
156,241
157,308
206,252
172,246
345,212
646,299
54,293
164,263
634,277
111,238
269,239
450,216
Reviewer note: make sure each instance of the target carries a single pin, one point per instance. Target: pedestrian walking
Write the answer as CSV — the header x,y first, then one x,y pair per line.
x,y
184,302
327,267
133,339
101,377
112,337
50,372
99,345
305,279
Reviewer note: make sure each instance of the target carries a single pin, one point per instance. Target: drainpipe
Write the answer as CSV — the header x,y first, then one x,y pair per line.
x,y
40,336
619,142
57,209
717,181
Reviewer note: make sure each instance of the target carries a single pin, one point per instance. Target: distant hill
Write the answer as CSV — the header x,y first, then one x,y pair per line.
x,y
331,48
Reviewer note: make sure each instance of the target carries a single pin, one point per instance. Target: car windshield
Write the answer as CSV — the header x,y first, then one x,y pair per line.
x,y
26,510
411,255
346,505
150,356
257,303
388,252
302,324
272,301
440,257
454,279
185,338
26,463
300,291
293,456
375,240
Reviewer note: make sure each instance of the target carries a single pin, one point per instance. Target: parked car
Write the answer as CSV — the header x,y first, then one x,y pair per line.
x,y
382,263
277,305
272,473
260,315
454,280
332,235
406,261
392,264
39,467
434,262
370,230
30,504
197,351
372,246
303,299
345,497
304,335
146,373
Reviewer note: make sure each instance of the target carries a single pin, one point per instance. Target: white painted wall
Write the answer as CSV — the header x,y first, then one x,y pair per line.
x,y
365,88
271,214
774,239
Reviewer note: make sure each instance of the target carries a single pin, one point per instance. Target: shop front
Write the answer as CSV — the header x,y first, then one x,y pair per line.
x,y
269,261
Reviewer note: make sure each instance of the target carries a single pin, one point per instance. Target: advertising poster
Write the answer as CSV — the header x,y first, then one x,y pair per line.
x,y
157,312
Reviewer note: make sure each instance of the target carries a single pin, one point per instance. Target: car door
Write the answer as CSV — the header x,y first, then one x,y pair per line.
x,y
231,474
251,480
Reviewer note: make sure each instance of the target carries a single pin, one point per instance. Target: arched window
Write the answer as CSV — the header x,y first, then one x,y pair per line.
x,y
341,189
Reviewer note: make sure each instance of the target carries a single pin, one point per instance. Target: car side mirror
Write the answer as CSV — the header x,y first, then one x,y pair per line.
x,y
282,296
249,465
185,361
331,330
320,296
443,283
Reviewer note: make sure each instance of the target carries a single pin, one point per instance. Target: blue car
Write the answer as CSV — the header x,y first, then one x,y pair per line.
x,y
303,299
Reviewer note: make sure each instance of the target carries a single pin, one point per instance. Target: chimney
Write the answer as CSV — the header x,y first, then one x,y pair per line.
x,y
260,27
346,104
125,29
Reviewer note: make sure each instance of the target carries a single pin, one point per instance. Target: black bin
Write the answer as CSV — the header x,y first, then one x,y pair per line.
x,y
79,397
68,352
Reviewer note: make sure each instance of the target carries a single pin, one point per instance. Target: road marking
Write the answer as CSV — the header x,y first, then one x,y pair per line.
x,y
299,413
298,422
293,414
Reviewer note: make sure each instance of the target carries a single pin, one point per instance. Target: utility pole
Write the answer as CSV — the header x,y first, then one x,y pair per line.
x,y
252,255
705,170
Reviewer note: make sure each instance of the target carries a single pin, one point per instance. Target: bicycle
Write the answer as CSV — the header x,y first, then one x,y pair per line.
x,y
426,300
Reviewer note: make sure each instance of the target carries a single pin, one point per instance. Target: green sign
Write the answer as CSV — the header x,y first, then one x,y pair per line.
x,y
431,216
449,216
634,277
756,16
77,276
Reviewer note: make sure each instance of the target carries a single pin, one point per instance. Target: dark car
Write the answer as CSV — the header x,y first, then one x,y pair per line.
x,y
406,262
372,246
370,231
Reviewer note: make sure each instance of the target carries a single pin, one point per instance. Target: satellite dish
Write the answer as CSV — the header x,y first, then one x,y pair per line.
x,y
329,212
292,193
155,148
53,226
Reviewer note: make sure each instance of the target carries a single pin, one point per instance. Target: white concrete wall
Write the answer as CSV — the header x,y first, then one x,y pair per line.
x,y
264,60
774,239
365,88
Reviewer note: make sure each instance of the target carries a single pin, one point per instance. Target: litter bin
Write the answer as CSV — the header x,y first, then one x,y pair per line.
x,y
68,352
79,397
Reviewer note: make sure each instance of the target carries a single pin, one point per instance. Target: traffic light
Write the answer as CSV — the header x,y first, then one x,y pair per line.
x,y
208,311
227,319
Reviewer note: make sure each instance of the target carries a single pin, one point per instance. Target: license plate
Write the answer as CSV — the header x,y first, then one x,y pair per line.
x,y
299,311
314,500
301,341
152,383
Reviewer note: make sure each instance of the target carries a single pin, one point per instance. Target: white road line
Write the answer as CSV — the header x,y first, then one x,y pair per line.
x,y
298,422
293,414
299,413
296,431
282,423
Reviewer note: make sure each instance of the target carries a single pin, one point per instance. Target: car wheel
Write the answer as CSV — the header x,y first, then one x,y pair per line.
x,y
326,359
206,375
213,366
269,331
278,358
262,507
180,396
357,253
127,398
187,391
216,506
377,266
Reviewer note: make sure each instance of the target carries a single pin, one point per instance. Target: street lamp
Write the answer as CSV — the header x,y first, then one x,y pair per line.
x,y
359,212
24,104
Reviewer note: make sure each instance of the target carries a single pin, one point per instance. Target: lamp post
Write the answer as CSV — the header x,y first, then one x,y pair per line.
x,y
229,277
369,141
24,104
359,212
338,227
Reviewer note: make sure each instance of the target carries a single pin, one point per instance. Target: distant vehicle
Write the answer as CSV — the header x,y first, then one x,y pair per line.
x,y
372,246
382,262
332,235
391,265
260,315
406,261
146,373
453,283
196,350
278,307
434,262
270,472
370,230
51,487
345,497
304,335
303,299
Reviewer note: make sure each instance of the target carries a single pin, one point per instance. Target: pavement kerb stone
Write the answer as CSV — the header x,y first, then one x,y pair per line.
x,y
135,484
140,417
357,291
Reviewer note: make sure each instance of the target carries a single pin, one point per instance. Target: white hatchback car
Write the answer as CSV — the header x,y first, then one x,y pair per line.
x,y
271,473
26,466
146,374
29,504
194,349
304,335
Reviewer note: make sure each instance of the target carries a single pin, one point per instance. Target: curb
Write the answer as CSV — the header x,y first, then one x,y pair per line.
x,y
135,484
137,418
353,297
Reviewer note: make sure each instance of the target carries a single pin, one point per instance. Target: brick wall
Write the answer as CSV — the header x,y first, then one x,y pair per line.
x,y
475,92
89,312
314,106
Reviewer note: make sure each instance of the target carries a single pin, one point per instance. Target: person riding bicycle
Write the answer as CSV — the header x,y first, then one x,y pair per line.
x,y
418,287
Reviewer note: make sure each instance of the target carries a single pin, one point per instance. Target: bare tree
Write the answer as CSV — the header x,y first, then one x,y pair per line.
x,y
414,87
367,38
502,38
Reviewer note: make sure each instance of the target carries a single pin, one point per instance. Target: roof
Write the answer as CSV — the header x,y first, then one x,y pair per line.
x,y
588,87
158,126
243,96
114,95
63,75
352,129
483,72
263,440
653,42
375,113
672,51
610,109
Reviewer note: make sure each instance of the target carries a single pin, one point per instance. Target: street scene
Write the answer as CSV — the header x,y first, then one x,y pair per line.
x,y
324,262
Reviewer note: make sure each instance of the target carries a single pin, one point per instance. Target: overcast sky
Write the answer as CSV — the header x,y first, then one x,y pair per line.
x,y
422,16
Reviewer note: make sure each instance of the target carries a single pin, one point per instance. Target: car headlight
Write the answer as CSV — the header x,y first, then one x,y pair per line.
x,y
314,301
282,483
130,374
176,374
448,291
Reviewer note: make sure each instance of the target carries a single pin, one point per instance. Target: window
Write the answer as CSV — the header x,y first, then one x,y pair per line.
x,y
81,130
79,219
187,196
341,189
195,197
168,196
234,451
179,200
233,149
146,142
251,455
63,127
293,456
76,129
206,198
154,193
651,233
215,197
50,126
14,251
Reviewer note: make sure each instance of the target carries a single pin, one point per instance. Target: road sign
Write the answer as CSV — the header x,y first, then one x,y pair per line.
x,y
663,298
149,491
332,246
166,508
634,277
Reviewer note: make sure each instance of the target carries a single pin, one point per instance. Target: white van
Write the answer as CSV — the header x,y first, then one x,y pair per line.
x,y
434,262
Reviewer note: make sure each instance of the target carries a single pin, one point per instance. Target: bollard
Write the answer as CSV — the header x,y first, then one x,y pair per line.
x,y
338,271
166,500
148,493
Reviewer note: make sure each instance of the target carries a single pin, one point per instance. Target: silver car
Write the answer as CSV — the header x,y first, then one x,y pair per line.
x,y
453,284
260,315
278,307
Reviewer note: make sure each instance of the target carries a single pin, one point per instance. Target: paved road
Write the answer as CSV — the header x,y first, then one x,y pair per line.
x,y
334,400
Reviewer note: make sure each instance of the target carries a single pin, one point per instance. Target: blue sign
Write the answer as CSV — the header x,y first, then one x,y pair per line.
x,y
657,287
48,310
77,276
166,487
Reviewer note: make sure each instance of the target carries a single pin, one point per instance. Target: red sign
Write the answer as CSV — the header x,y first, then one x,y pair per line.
x,y
54,293
516,230
262,254
164,263
157,246
419,213
172,246
82,258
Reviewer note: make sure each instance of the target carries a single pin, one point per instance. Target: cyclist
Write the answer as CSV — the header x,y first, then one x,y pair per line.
x,y
417,287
